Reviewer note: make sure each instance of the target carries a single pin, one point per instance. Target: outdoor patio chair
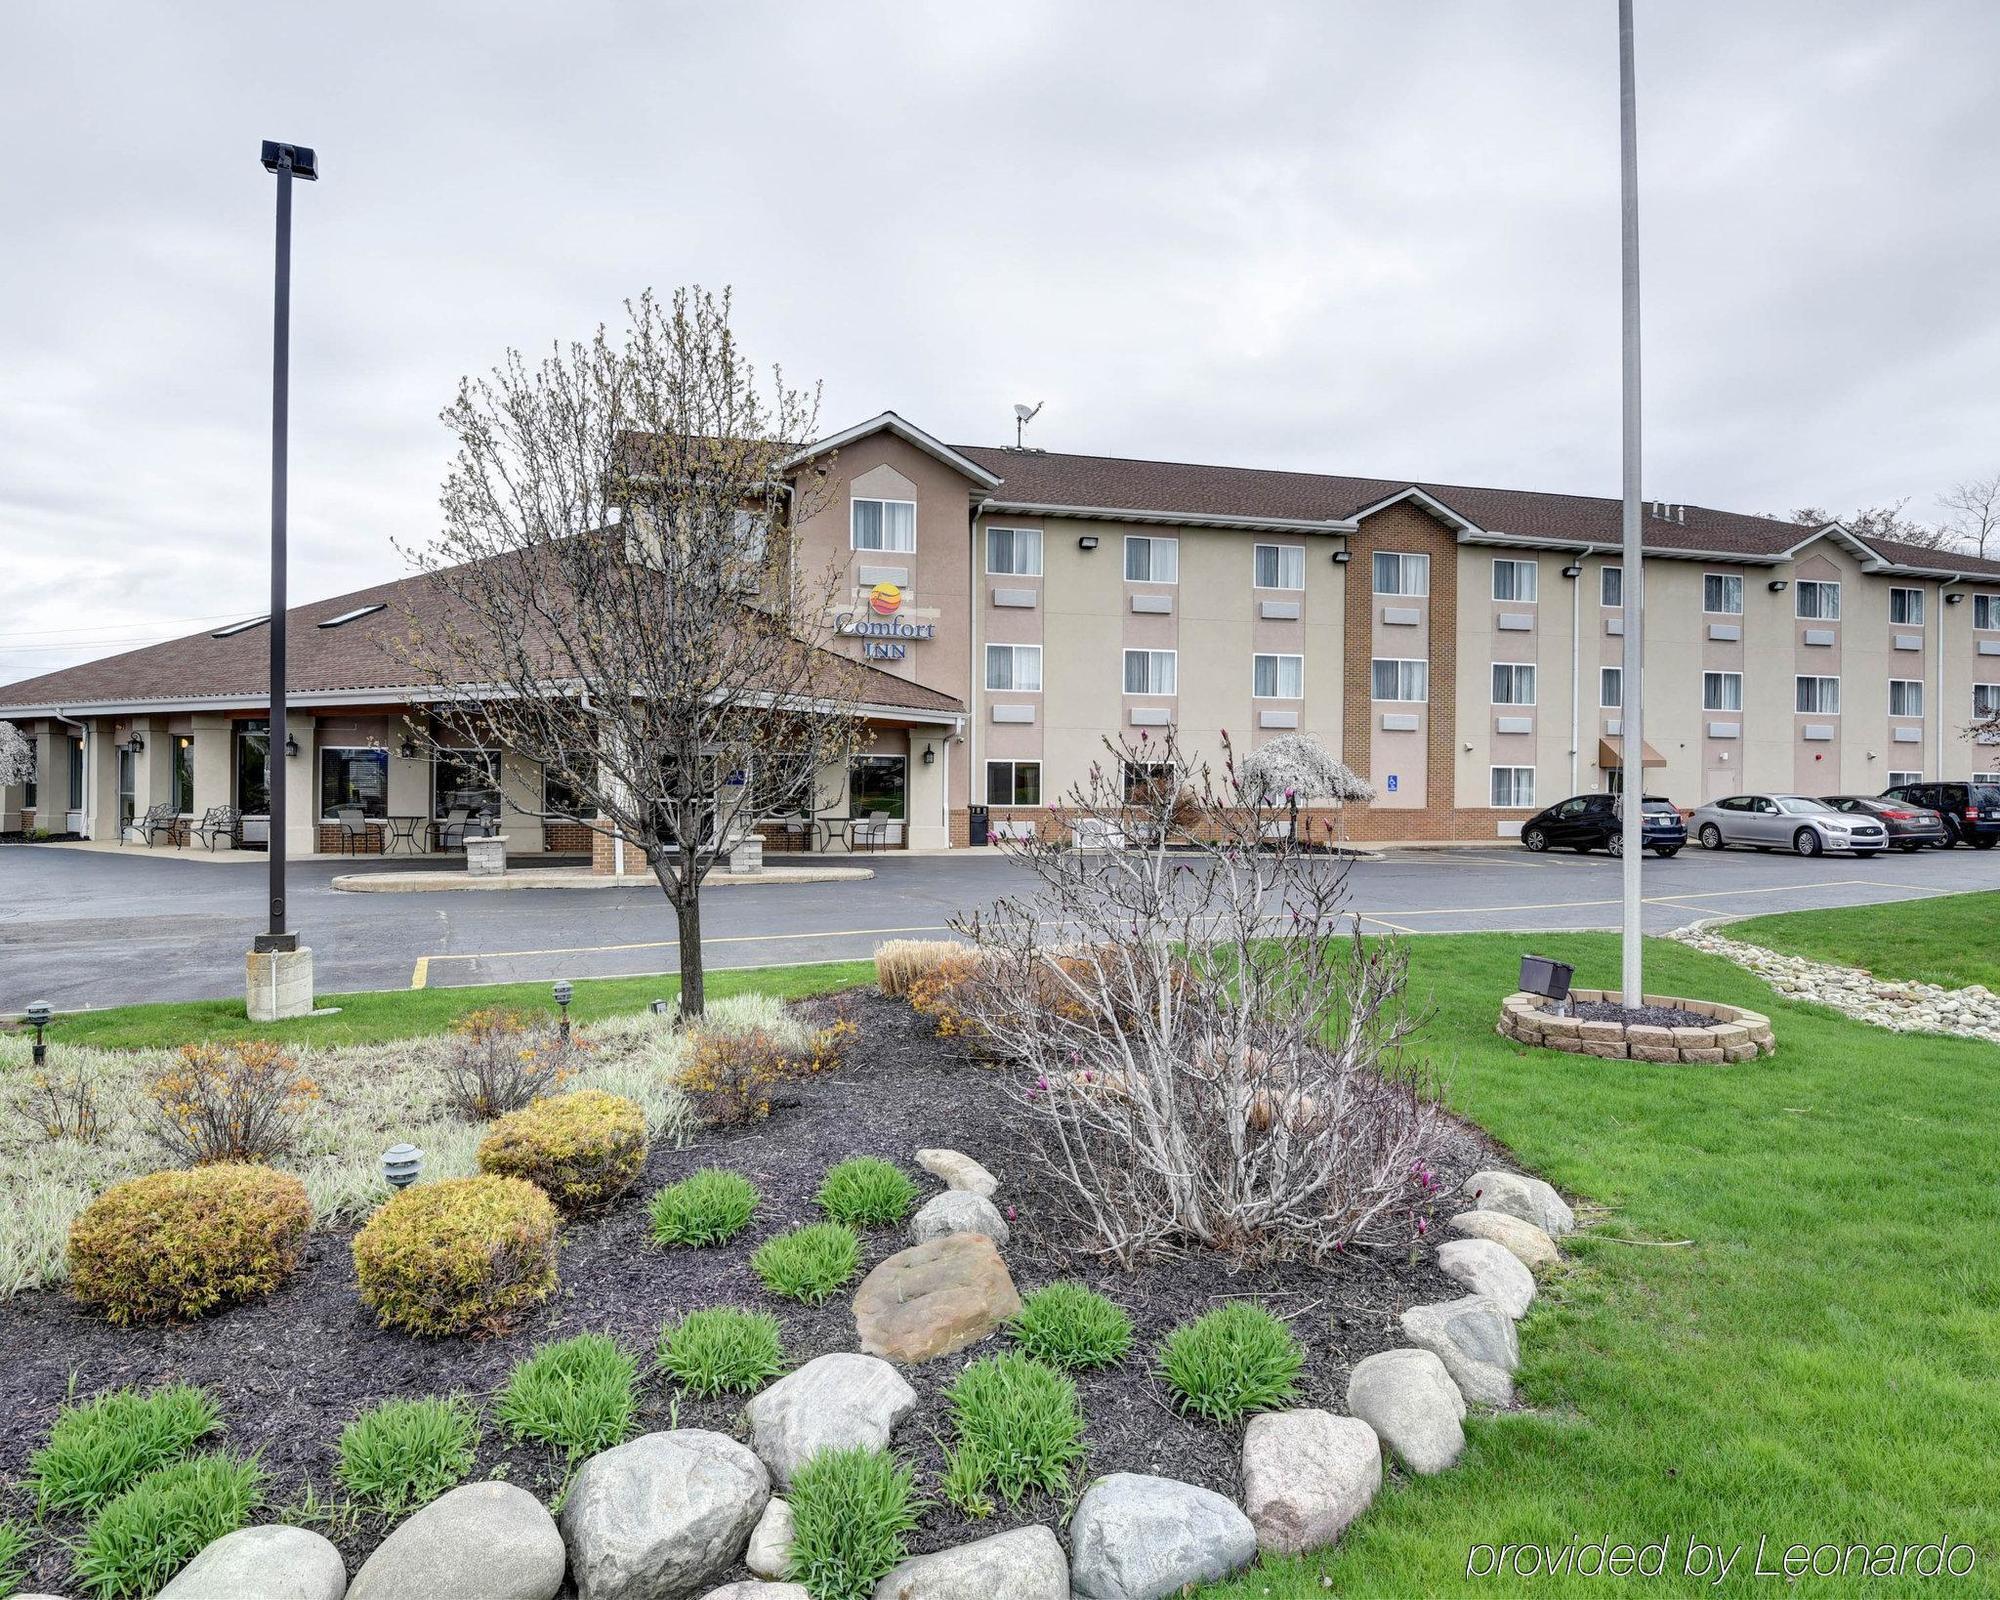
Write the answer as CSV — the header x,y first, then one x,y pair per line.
x,y
872,831
162,818
219,822
352,822
451,832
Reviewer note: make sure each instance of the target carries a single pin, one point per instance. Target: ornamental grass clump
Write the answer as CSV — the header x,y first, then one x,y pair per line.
x,y
500,1061
581,1149
103,1446
576,1395
230,1102
13,1547
1019,1427
866,1192
148,1533
852,1511
174,1246
1072,1327
808,1263
468,1255
1232,1361
403,1454
708,1207
723,1351
900,962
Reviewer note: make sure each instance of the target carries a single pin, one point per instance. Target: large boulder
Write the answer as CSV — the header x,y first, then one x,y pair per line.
x,y
1528,1242
269,1563
958,1211
1026,1564
957,1171
1489,1269
934,1299
1306,1475
1408,1398
1530,1199
1140,1538
770,1551
662,1517
480,1541
831,1403
1474,1338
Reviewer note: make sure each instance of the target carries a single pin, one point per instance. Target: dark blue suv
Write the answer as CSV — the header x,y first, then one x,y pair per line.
x,y
1595,822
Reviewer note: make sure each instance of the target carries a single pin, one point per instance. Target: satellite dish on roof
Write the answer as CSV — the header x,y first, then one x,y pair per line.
x,y
1023,415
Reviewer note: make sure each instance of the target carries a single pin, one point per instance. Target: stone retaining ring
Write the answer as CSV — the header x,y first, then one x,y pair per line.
x,y
1730,1034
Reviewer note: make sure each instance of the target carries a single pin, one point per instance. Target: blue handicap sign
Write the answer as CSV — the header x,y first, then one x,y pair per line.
x,y
1392,782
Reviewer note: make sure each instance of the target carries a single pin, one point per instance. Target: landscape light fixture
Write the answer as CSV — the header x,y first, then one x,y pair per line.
x,y
564,993
402,1165
1087,542
39,1015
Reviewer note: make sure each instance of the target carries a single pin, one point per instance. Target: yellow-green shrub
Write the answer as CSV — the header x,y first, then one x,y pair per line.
x,y
464,1256
582,1150
177,1245
731,1076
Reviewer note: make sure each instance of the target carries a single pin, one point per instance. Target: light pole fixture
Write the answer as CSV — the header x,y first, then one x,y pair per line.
x,y
402,1165
39,1015
564,993
1632,714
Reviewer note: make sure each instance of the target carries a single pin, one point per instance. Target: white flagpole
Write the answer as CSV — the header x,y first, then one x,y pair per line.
x,y
1631,726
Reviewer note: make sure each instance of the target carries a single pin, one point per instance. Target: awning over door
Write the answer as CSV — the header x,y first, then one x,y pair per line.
x,y
1611,760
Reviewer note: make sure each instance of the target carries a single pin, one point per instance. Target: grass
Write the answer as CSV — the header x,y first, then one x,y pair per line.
x,y
723,1351
576,1395
148,1533
1948,939
866,1192
710,1207
1072,1327
1232,1361
376,1016
102,1447
403,1454
13,1546
1818,1364
1019,1427
851,1512
808,1263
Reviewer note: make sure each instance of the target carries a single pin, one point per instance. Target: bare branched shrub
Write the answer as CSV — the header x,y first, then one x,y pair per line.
x,y
1212,1059
501,1061
63,1105
235,1102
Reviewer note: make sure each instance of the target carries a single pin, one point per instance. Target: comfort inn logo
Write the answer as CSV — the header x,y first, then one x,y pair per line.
x,y
885,639
885,599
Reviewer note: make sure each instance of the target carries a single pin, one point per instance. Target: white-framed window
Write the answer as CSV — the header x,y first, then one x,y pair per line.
x,y
1013,783
1611,687
1817,696
884,525
1149,671
1014,666
1278,677
1397,573
1611,586
1513,788
1513,683
1986,700
1906,697
1722,593
1396,679
1817,600
1906,607
1014,552
1986,611
1280,566
1516,580
1722,691
1152,560
1898,778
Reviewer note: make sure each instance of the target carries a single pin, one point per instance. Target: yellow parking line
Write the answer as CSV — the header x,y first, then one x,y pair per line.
x,y
421,977
668,944
1393,927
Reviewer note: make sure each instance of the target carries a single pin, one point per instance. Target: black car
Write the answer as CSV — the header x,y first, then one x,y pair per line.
x,y
1971,811
1909,827
1594,822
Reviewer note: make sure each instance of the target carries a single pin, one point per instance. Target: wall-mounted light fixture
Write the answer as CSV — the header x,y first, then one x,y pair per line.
x,y
291,745
1342,557
1954,599
930,755
1087,542
407,749
1778,585
1572,571
134,746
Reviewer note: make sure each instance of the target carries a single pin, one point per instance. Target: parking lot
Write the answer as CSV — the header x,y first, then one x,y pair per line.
x,y
86,929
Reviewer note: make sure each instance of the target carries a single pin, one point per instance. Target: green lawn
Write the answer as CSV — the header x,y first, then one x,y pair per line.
x,y
1951,939
403,1013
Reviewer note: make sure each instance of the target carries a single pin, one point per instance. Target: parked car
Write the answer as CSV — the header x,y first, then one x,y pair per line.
x,y
1910,827
1786,821
1597,822
1971,811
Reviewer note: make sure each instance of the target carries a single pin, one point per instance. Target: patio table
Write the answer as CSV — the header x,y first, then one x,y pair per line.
x,y
403,834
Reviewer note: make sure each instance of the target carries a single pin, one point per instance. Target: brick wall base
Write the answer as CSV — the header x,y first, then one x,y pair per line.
x,y
1362,824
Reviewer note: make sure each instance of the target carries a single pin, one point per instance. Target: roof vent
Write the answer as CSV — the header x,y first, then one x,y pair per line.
x,y
354,615
239,627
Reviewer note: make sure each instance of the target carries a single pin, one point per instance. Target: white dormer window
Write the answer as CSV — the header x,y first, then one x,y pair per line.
x,y
885,525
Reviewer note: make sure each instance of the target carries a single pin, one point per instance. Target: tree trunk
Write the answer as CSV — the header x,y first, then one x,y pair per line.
x,y
687,910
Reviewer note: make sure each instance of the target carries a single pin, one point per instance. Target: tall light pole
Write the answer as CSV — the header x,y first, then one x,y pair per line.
x,y
1631,714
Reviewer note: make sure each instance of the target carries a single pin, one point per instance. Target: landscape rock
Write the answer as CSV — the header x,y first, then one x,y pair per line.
x,y
480,1541
663,1516
1517,1195
959,1211
753,1590
1474,1338
1527,1242
831,1403
770,1549
1408,1398
1026,1564
1491,1269
934,1299
958,1171
1141,1538
1306,1475
268,1563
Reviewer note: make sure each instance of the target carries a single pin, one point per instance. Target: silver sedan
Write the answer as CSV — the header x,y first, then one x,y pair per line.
x,y
1785,822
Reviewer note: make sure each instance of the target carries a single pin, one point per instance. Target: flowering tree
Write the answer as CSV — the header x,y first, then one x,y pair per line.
x,y
17,755
1295,769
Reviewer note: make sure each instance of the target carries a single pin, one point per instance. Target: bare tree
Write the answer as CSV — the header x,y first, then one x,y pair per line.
x,y
615,595
1974,508
1878,522
17,756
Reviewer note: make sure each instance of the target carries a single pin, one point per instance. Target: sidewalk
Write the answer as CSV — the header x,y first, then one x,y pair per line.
x,y
419,881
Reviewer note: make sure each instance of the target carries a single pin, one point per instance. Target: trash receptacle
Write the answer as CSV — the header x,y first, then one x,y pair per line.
x,y
978,823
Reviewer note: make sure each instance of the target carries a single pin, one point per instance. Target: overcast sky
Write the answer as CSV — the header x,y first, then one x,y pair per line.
x,y
1374,238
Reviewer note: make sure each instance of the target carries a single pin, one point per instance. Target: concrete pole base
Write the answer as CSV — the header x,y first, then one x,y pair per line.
x,y
279,983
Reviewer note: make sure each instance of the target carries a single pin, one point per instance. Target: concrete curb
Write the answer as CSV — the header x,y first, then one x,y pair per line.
x,y
564,878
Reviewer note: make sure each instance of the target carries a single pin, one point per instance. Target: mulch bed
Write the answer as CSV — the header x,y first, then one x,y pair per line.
x,y
291,1371
1638,1016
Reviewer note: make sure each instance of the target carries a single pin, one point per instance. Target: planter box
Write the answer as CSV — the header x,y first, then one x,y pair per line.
x,y
486,858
